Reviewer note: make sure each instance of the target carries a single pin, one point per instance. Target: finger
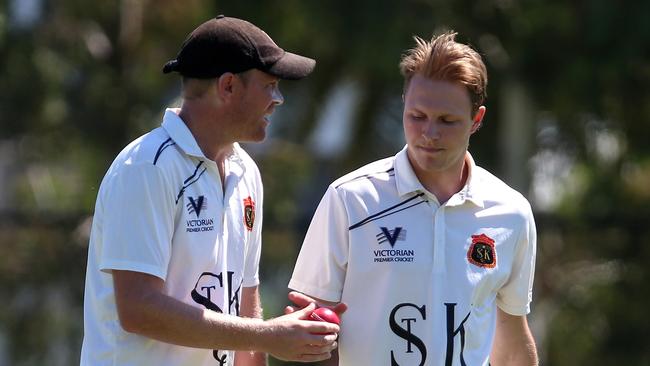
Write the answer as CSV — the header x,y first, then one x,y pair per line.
x,y
323,328
340,308
300,299
321,338
320,352
312,349
316,349
303,300
305,312
289,310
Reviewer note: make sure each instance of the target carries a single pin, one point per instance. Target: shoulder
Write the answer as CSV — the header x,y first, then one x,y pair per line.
x,y
147,149
495,192
369,183
380,170
145,159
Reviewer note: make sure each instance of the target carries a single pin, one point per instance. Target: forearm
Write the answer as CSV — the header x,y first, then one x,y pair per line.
x,y
169,320
513,342
144,308
521,354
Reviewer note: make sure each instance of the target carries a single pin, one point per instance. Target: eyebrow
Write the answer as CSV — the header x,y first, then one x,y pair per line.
x,y
448,115
424,107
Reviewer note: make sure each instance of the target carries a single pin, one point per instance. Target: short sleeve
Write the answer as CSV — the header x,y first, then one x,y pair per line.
x,y
516,294
321,266
138,221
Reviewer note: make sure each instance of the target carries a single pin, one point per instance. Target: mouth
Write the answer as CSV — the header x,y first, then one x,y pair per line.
x,y
430,149
267,116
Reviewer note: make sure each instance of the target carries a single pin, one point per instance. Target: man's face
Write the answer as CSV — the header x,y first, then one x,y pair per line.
x,y
260,95
438,122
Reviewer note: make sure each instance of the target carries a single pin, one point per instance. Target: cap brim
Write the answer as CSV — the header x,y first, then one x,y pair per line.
x,y
292,67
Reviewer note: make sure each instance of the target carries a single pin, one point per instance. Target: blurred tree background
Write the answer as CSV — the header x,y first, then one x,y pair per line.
x,y
567,124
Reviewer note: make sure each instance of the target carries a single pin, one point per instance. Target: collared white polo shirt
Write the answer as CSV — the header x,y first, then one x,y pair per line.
x,y
421,280
162,210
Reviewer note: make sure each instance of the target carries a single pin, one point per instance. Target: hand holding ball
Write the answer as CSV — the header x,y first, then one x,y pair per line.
x,y
325,315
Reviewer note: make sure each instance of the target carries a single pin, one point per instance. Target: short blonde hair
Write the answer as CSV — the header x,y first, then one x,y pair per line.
x,y
193,88
443,58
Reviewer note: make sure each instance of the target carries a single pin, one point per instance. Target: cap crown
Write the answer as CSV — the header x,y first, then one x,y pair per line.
x,y
225,44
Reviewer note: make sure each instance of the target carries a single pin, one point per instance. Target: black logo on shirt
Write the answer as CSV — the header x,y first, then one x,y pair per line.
x,y
392,255
210,287
402,322
391,236
195,206
397,320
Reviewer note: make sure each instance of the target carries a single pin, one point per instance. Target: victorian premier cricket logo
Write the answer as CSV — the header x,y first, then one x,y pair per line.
x,y
392,255
195,206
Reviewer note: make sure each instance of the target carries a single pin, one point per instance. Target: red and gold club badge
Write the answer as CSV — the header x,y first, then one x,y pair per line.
x,y
482,251
249,213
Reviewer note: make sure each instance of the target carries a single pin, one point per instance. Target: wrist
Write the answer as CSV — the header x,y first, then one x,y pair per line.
x,y
264,334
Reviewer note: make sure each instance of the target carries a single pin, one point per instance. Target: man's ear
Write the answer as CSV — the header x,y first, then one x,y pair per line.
x,y
225,85
477,120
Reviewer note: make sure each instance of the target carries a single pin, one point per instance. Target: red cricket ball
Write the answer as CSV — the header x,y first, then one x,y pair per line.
x,y
325,315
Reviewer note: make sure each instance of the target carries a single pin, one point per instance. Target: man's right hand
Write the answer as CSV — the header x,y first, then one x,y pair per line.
x,y
293,337
301,300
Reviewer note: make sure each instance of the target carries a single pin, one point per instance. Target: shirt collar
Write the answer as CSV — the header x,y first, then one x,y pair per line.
x,y
182,136
407,182
470,191
405,177
238,167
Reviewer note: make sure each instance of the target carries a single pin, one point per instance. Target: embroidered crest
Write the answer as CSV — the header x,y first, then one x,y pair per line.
x,y
249,213
482,251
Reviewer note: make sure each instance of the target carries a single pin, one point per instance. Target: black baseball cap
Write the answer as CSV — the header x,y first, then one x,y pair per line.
x,y
225,44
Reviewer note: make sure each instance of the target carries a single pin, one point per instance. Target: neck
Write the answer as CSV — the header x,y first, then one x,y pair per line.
x,y
207,130
445,184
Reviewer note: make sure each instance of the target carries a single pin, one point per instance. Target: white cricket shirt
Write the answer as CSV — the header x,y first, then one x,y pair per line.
x,y
421,280
162,210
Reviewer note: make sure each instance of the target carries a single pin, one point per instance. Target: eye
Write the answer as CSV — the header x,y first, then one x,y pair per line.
x,y
416,116
447,120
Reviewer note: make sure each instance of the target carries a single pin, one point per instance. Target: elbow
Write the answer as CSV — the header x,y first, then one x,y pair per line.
x,y
136,300
130,321
129,326
134,313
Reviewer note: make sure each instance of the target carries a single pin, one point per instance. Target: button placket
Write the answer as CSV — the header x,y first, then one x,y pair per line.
x,y
439,264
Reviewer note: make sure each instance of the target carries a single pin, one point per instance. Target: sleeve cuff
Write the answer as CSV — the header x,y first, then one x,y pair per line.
x,y
517,310
313,291
108,267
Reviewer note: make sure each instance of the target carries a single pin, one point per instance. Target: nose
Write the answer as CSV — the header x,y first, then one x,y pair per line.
x,y
430,130
277,97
